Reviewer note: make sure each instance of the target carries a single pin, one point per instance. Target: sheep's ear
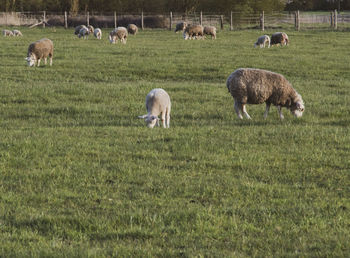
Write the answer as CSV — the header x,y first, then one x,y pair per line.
x,y
142,117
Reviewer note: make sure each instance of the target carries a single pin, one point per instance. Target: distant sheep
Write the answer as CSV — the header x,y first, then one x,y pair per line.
x,y
78,28
84,32
17,33
119,33
262,41
98,33
279,38
157,102
7,33
91,29
38,50
193,32
180,26
255,86
210,30
132,29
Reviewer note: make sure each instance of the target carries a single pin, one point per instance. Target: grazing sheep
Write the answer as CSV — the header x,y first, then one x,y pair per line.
x,y
193,31
255,86
210,30
180,26
91,29
132,29
84,32
279,38
17,33
262,41
157,102
119,33
78,28
98,33
7,33
42,48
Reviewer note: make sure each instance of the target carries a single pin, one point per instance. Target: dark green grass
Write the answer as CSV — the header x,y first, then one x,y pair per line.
x,y
82,176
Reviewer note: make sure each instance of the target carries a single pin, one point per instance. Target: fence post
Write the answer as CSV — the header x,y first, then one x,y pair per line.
x,y
231,22
332,19
222,22
262,21
87,19
142,20
298,21
171,21
335,19
65,20
44,19
201,18
115,19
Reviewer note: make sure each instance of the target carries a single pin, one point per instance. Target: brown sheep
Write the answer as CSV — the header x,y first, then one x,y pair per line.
x,y
210,30
255,86
119,33
279,38
193,31
132,29
42,48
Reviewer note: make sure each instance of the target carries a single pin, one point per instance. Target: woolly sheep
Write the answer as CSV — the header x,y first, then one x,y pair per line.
x,y
262,41
78,28
91,29
255,86
17,33
98,33
157,102
180,26
132,29
119,33
279,38
7,33
210,30
42,48
84,32
193,31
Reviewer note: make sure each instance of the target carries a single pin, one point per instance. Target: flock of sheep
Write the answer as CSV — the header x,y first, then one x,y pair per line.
x,y
246,85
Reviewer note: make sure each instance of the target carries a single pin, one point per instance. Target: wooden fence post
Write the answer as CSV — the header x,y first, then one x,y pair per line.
x,y
171,21
115,19
262,21
298,20
335,19
222,22
142,25
332,19
231,22
44,19
201,19
87,19
65,20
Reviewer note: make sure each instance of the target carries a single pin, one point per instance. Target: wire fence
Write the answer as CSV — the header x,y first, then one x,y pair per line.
x,y
232,21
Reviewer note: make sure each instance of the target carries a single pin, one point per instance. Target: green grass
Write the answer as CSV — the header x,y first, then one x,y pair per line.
x,y
82,176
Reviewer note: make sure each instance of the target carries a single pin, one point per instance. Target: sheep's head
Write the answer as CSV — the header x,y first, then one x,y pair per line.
x,y
150,120
30,60
297,108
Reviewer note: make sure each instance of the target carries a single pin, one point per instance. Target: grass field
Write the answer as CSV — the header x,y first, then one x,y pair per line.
x,y
82,176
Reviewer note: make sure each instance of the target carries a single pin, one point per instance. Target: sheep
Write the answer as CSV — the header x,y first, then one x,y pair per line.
x,y
193,31
91,29
7,33
210,30
78,28
98,33
262,41
180,26
132,29
255,86
42,48
119,33
84,32
157,102
17,33
279,38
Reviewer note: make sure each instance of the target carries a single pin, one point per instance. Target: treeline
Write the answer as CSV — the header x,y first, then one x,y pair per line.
x,y
159,6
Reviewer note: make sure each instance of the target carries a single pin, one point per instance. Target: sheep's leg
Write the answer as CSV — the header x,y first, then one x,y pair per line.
x,y
267,110
45,60
279,108
245,112
39,62
50,60
237,107
163,119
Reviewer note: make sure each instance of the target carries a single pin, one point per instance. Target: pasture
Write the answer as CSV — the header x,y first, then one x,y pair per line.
x,y
81,175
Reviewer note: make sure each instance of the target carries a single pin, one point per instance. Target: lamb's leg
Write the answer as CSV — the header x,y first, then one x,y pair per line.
x,y
50,60
163,119
168,117
237,107
245,112
39,62
267,110
45,60
279,108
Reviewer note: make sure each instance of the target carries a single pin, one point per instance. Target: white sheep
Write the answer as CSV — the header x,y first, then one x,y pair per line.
x,y
7,33
210,30
157,102
255,86
42,48
84,32
17,33
119,33
98,33
262,41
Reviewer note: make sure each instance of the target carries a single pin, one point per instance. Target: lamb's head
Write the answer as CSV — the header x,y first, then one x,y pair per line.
x,y
30,60
150,120
297,108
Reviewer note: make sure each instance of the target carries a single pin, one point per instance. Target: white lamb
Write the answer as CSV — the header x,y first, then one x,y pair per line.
x,y
157,102
84,32
17,33
262,41
98,33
